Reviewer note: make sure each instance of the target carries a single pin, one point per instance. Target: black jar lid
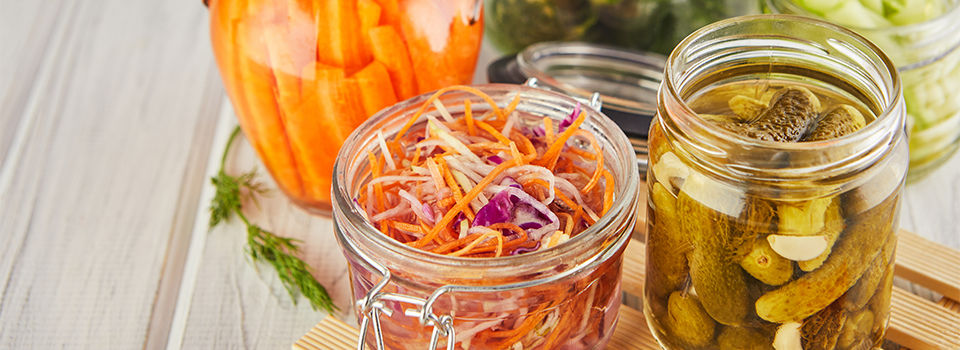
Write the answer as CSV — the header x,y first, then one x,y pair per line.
x,y
626,80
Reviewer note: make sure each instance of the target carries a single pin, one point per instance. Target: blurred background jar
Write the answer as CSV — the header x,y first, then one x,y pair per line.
x,y
922,37
786,240
302,74
651,25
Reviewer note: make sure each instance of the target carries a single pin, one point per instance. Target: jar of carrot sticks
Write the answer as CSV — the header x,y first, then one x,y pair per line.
x,y
487,217
303,73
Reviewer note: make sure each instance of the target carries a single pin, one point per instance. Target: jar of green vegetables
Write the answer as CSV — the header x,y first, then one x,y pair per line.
x,y
777,160
649,25
922,37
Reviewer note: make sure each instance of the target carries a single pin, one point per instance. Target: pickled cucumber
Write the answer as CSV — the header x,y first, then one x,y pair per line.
x,y
858,295
857,330
740,338
832,226
746,108
786,120
841,120
718,280
822,330
666,247
766,266
860,242
687,320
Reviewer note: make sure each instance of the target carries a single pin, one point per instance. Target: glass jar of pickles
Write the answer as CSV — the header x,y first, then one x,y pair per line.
x,y
303,73
777,161
920,36
486,217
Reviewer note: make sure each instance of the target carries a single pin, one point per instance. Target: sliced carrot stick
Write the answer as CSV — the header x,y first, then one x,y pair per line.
x,y
262,119
369,13
340,28
375,88
390,12
389,48
377,187
438,66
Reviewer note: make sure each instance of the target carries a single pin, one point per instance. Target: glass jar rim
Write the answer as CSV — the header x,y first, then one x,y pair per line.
x,y
346,211
852,138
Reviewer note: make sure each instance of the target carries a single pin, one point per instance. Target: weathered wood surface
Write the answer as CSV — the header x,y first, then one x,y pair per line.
x,y
112,117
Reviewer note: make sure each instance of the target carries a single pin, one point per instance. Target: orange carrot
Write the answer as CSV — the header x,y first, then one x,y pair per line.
x,y
493,132
429,102
465,201
389,49
390,12
375,89
468,116
369,13
341,28
607,191
599,152
549,158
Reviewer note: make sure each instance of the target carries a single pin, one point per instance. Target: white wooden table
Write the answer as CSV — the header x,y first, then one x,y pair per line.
x,y
112,115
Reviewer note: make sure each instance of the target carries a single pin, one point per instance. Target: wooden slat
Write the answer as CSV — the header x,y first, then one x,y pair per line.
x,y
929,264
332,334
915,322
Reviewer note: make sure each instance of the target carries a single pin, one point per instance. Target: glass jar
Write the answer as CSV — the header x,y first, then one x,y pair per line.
x,y
564,297
924,45
654,25
756,243
303,73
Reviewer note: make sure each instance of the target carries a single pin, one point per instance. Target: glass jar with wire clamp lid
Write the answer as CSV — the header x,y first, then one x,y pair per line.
x,y
486,217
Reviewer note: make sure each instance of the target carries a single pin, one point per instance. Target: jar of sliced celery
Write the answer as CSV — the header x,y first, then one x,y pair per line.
x,y
486,217
777,160
923,39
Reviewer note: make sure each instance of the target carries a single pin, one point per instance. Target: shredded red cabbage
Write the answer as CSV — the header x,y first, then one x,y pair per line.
x,y
566,122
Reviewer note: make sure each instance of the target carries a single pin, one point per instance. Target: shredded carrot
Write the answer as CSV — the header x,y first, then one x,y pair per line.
x,y
468,117
599,168
607,191
493,131
549,158
465,201
429,102
378,187
454,187
511,107
548,129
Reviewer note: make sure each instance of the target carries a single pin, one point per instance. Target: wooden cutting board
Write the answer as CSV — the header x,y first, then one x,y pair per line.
x,y
915,322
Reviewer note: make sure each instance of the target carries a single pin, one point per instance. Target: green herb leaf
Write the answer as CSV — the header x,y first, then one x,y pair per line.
x,y
263,246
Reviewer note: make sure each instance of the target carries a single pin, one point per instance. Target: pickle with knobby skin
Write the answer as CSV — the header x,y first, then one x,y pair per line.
x,y
860,242
687,320
786,120
718,280
841,120
766,265
667,249
856,330
832,226
740,338
858,295
822,330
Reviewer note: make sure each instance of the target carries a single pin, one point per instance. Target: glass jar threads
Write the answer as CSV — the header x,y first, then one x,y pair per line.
x,y
777,161
537,266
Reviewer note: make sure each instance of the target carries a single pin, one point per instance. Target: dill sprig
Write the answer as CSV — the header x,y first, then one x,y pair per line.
x,y
263,246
